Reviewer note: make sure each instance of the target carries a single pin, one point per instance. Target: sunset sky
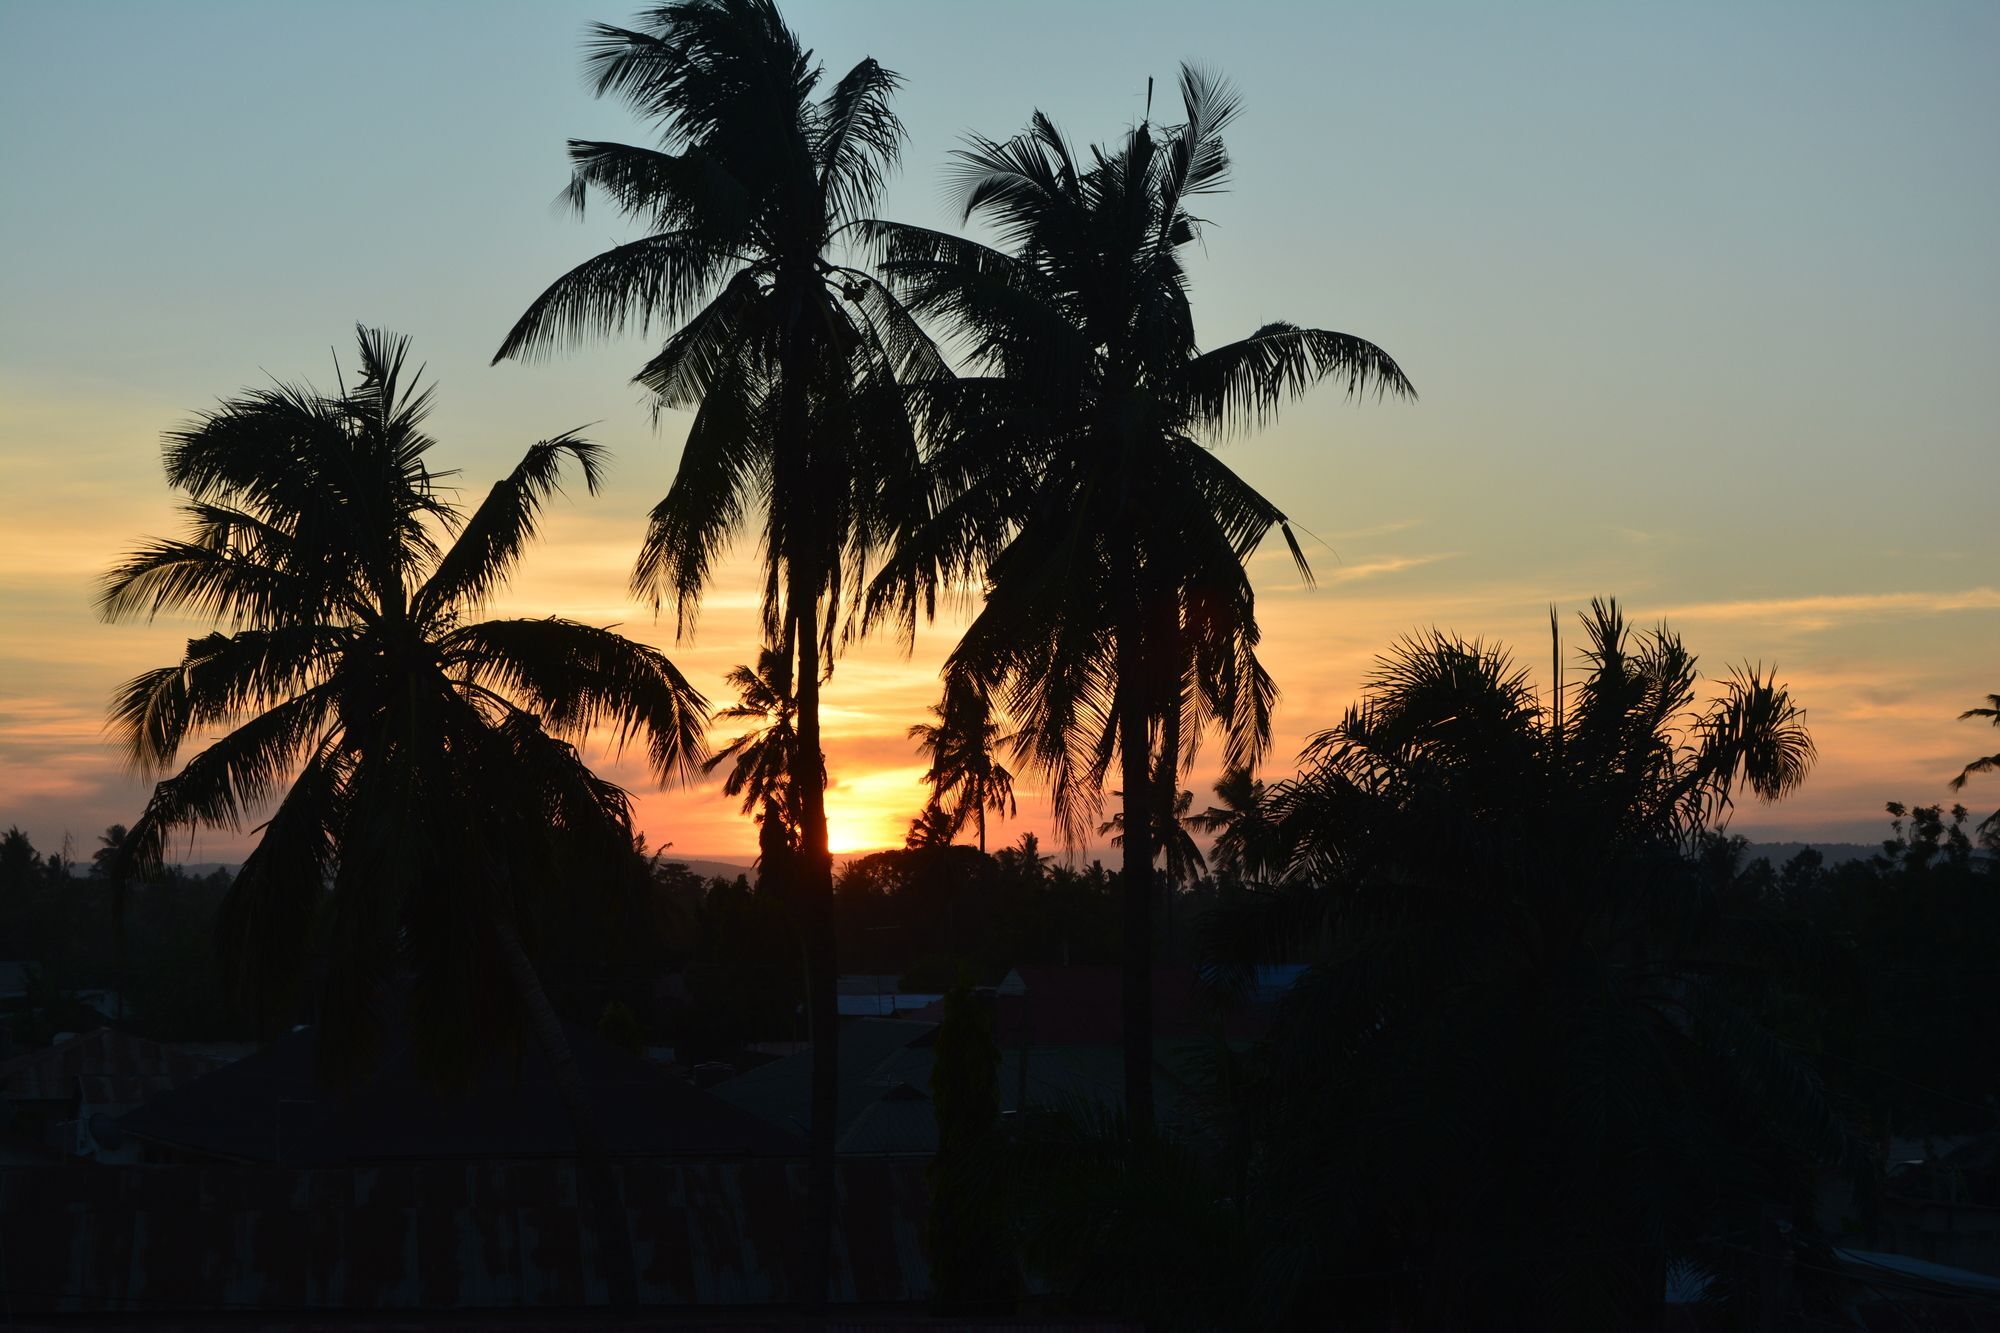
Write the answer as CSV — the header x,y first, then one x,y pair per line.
x,y
1703,302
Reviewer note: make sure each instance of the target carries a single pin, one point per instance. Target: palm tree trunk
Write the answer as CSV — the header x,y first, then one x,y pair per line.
x,y
595,1179
1135,748
822,1003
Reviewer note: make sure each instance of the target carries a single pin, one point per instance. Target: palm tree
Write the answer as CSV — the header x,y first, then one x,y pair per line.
x,y
1180,855
420,763
1241,825
1987,764
793,364
105,864
1069,476
762,760
1525,1059
932,828
966,778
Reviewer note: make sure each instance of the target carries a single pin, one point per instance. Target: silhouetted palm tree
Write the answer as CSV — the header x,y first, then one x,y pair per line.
x,y
421,761
1071,477
966,777
1245,839
1524,1060
793,365
933,827
762,760
105,864
1180,854
1987,764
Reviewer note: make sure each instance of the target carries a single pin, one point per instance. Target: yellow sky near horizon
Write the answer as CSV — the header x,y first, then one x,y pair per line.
x,y
1884,723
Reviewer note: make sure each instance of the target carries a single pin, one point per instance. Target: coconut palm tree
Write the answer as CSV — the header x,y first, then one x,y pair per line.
x,y
1071,481
1530,1012
762,760
1241,825
966,777
1180,855
1990,825
794,365
419,762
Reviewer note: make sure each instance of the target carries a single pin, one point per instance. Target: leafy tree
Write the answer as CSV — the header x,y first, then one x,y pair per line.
x,y
793,364
1990,826
419,761
1918,920
971,1268
966,777
1525,1069
1070,476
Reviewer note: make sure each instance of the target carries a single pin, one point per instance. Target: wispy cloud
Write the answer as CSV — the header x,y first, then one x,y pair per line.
x,y
1821,612
1358,571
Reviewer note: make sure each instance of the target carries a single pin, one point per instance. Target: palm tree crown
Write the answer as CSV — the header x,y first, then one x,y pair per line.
x,y
422,761
791,362
761,760
1070,479
966,777
1985,764
1243,833
1525,986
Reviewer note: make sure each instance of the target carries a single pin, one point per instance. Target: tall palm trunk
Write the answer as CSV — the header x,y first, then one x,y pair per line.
x,y
595,1178
1134,745
805,578
822,1002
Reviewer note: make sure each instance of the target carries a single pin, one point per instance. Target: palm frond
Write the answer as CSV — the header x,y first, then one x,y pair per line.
x,y
224,783
659,279
1241,385
487,548
576,678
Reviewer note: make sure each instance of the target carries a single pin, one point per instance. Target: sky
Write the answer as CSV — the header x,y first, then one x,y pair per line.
x,y
1702,302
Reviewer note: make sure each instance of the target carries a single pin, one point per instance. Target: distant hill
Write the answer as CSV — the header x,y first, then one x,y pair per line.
x,y
1832,853
712,869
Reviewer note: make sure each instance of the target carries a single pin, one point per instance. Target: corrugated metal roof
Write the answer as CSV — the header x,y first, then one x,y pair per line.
x,y
438,1236
108,1057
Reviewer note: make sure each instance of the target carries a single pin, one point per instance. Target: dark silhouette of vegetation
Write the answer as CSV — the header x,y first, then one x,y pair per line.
x,y
794,365
1246,841
763,759
1181,857
1543,1032
1525,1069
419,761
1985,763
1070,481
972,1268
966,777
